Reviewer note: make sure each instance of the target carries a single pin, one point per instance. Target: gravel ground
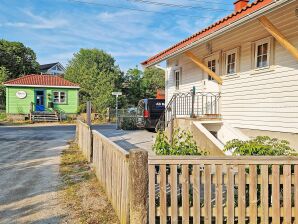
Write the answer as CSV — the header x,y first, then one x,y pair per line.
x,y
29,171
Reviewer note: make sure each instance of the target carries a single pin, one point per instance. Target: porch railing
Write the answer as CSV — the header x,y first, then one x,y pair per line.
x,y
192,104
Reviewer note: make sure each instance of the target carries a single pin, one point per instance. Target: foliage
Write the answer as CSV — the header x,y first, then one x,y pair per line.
x,y
153,79
183,144
161,145
98,76
261,145
138,85
128,123
132,86
17,59
4,74
3,116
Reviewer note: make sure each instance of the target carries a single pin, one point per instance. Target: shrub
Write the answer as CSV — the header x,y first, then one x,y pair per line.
x,y
260,146
182,144
128,123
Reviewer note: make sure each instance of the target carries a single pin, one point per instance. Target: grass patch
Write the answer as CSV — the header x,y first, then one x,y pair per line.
x,y
83,197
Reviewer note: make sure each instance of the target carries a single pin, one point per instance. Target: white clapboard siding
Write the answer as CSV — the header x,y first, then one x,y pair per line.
x,y
263,100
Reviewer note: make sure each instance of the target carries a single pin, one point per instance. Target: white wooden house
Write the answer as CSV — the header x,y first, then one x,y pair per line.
x,y
249,62
52,69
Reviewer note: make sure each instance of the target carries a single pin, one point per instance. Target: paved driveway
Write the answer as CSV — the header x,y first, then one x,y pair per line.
x,y
128,139
29,173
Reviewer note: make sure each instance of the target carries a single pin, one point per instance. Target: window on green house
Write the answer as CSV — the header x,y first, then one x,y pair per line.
x,y
59,97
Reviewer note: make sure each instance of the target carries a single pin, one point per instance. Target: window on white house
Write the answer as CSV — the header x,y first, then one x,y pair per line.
x,y
262,53
59,97
177,78
231,61
212,66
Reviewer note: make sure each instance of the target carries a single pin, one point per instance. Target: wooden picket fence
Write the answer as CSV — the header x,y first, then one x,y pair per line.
x,y
191,189
111,164
83,136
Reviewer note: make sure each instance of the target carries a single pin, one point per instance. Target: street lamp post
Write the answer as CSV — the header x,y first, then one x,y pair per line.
x,y
116,94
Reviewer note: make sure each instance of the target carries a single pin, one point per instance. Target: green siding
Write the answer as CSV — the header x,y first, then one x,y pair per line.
x,y
14,105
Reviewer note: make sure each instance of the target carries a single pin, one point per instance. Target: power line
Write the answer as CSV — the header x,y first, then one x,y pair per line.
x,y
133,9
175,5
208,2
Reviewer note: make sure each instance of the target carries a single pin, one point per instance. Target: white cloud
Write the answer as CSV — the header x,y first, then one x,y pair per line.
x,y
127,35
37,22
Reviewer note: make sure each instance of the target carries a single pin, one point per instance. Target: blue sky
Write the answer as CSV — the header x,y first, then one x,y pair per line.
x,y
56,29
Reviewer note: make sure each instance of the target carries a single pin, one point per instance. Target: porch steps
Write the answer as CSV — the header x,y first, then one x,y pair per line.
x,y
44,117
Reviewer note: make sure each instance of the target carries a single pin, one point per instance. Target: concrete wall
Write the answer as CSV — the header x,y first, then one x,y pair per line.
x,y
203,142
224,131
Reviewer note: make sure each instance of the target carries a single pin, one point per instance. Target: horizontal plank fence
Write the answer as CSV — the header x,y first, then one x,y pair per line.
x,y
84,138
112,170
191,189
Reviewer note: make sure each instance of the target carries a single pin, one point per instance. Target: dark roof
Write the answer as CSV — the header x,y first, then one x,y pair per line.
x,y
252,7
47,66
41,80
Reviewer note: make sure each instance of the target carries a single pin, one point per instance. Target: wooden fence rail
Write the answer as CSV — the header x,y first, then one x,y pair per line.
x,y
84,139
111,166
191,189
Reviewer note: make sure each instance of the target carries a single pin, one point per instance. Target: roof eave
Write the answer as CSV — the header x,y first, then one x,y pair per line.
x,y
44,86
265,10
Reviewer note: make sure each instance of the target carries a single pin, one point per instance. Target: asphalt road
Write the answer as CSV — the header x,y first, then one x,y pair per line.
x,y
29,173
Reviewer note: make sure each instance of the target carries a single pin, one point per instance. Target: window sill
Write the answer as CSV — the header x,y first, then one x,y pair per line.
x,y
231,76
262,70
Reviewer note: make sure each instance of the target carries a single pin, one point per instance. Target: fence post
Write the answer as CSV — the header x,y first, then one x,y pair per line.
x,y
77,132
193,94
90,145
88,113
138,186
172,119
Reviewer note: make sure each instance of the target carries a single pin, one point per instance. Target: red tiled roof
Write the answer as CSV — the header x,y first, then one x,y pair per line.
x,y
41,80
254,6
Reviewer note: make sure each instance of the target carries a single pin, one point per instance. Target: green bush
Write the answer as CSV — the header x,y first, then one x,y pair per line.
x,y
259,146
183,144
3,116
128,123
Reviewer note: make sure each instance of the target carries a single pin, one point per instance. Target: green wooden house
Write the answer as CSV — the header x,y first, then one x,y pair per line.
x,y
41,94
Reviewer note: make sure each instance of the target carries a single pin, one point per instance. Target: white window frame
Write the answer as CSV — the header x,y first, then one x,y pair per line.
x,y
267,40
59,97
226,54
179,71
216,57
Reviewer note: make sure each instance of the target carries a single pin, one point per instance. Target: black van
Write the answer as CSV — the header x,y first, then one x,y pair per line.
x,y
149,112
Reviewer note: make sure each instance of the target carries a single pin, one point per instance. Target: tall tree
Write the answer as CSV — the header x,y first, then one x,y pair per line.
x,y
139,85
4,74
132,86
98,76
17,59
153,79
